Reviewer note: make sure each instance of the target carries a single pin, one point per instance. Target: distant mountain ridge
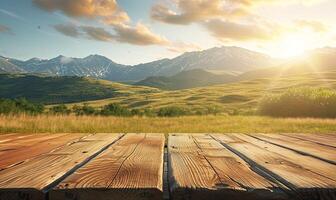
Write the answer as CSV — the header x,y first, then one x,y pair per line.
x,y
319,60
228,60
218,59
187,79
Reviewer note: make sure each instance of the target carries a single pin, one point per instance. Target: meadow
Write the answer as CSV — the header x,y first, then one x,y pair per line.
x,y
236,107
185,124
241,98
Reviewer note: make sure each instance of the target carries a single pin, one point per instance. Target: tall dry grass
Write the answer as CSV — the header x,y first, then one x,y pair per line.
x,y
188,124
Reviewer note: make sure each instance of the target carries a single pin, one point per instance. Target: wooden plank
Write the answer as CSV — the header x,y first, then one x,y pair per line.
x,y
322,139
19,141
201,168
8,138
313,149
27,147
303,182
132,168
33,178
312,164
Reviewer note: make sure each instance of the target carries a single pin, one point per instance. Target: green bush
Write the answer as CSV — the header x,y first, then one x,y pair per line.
x,y
116,110
21,105
84,110
60,109
171,111
301,102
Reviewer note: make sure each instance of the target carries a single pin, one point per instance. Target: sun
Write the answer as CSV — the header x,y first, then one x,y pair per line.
x,y
290,46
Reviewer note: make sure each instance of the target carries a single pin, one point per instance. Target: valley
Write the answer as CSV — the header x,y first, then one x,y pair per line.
x,y
194,88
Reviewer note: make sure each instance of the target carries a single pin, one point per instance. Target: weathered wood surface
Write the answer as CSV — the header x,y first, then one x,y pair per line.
x,y
310,163
201,168
9,137
31,179
132,168
322,152
22,148
301,174
322,139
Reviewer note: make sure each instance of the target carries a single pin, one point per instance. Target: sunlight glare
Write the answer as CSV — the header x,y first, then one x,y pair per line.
x,y
291,46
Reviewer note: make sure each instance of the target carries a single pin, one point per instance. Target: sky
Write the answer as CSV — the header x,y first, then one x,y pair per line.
x,y
140,31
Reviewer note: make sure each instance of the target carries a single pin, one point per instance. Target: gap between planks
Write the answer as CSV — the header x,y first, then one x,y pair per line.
x,y
305,153
87,160
39,190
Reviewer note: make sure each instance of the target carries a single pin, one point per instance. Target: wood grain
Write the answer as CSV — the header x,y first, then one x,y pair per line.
x,y
130,169
307,162
23,148
13,136
31,179
302,179
201,168
322,139
313,149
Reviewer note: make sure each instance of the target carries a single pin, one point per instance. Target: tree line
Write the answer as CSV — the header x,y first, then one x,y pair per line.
x,y
23,106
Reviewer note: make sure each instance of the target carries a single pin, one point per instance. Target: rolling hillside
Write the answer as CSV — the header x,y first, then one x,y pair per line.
x,y
232,98
187,79
53,90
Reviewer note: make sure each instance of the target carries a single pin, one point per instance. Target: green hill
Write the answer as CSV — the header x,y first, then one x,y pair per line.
x,y
233,98
187,79
54,90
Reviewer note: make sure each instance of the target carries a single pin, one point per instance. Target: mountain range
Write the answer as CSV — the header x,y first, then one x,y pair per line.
x,y
223,59
193,69
317,61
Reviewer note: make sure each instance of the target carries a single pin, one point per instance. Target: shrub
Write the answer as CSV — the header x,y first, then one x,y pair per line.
x,y
171,111
115,110
60,109
21,105
84,110
301,102
149,112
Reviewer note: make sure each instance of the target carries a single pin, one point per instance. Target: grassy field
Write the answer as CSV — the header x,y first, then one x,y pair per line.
x,y
191,124
236,98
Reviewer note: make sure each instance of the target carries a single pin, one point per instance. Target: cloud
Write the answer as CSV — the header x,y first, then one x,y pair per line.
x,y
5,29
190,11
66,60
138,35
279,2
313,25
181,47
97,33
184,12
107,10
67,29
12,15
226,30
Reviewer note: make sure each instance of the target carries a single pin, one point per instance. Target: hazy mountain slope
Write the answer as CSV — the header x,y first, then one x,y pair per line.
x,y
187,79
224,59
93,65
55,89
319,60
8,67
